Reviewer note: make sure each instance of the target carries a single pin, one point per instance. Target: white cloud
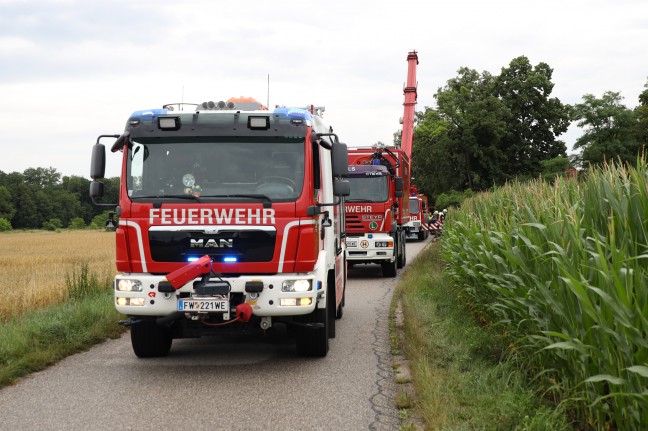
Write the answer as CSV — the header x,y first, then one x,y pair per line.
x,y
71,70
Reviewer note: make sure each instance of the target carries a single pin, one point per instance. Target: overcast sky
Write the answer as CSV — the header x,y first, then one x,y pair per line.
x,y
71,70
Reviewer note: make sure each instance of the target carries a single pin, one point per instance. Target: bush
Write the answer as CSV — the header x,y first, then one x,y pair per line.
x,y
99,221
77,223
53,224
5,225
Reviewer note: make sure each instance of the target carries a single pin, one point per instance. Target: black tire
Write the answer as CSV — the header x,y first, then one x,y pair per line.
x,y
400,251
330,306
150,340
314,341
340,311
404,250
421,235
389,269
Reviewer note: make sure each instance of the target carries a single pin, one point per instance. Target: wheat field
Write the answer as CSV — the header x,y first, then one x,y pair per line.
x,y
34,266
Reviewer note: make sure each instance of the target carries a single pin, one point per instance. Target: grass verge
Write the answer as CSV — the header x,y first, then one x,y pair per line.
x,y
463,378
32,341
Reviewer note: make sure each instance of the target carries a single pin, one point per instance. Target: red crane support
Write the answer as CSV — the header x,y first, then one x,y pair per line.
x,y
407,136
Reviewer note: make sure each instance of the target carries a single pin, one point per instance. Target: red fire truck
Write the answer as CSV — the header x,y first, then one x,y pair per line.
x,y
229,217
417,226
377,209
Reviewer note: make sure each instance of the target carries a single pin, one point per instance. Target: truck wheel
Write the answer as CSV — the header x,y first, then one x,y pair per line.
x,y
404,250
330,307
314,341
421,235
340,311
150,340
400,256
389,269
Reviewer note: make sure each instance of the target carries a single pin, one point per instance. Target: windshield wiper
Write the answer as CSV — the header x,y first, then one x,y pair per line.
x,y
193,197
360,200
267,202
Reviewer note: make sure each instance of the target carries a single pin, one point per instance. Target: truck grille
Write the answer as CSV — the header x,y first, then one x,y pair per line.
x,y
354,223
245,246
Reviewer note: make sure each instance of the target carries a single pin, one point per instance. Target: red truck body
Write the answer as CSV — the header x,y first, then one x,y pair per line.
x,y
377,224
228,217
378,207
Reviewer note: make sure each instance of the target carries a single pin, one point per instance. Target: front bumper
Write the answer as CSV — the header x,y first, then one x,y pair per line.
x,y
369,247
267,303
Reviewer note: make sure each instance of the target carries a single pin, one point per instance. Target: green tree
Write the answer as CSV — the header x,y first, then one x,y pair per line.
x,y
7,209
610,129
534,118
476,120
641,113
42,177
79,187
24,200
433,167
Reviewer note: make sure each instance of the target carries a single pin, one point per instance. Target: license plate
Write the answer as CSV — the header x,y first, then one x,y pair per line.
x,y
352,243
207,305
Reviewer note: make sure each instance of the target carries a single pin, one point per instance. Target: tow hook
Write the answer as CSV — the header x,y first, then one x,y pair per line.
x,y
128,322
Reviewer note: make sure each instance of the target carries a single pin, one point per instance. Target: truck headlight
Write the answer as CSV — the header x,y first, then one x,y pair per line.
x,y
384,243
296,286
126,285
135,302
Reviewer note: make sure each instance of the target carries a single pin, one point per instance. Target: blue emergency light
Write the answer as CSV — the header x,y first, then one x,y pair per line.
x,y
293,114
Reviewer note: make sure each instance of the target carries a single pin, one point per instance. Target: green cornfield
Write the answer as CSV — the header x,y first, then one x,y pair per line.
x,y
562,271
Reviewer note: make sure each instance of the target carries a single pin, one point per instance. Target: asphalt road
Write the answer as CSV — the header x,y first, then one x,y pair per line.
x,y
253,382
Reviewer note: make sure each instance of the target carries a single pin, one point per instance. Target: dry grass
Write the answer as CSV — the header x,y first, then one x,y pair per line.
x,y
34,265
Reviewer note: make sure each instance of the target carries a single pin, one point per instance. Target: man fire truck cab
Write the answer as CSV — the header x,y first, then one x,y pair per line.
x,y
229,216
376,209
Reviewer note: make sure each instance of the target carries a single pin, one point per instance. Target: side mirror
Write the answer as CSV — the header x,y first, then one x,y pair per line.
x,y
96,190
398,185
98,162
340,160
341,188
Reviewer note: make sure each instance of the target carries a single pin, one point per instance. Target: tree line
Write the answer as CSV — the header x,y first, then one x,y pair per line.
x,y
484,131
489,129
40,198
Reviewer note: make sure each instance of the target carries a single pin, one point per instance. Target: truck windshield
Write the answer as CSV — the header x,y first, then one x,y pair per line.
x,y
368,189
414,206
163,168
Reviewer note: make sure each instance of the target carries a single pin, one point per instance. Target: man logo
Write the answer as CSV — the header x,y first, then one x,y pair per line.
x,y
211,243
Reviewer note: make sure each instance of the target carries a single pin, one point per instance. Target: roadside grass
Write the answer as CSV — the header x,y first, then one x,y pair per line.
x,y
41,338
462,371
57,298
